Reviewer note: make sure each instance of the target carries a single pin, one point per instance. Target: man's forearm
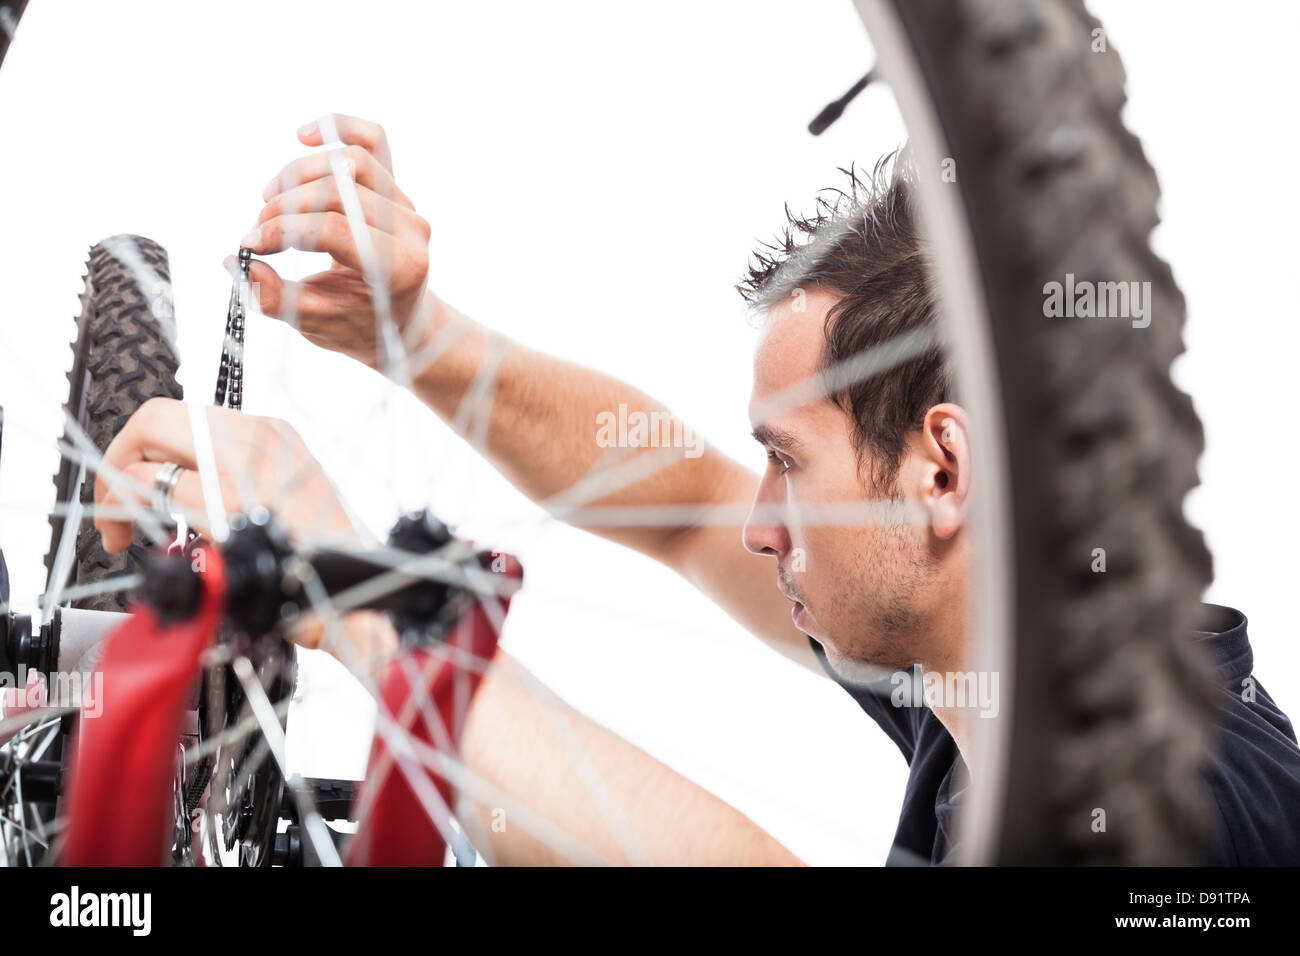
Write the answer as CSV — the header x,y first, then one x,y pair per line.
x,y
551,786
543,435
545,425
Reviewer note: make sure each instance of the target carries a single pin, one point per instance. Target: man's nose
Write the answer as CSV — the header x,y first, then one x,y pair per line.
x,y
764,531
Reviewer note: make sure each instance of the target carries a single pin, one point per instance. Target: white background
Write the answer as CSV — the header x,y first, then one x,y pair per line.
x,y
596,175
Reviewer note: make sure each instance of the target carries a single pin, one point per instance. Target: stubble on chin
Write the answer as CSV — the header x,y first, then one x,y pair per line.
x,y
881,613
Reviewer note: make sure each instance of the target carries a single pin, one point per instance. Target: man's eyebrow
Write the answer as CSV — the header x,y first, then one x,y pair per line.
x,y
774,437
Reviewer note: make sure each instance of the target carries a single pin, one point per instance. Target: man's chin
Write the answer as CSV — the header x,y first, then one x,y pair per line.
x,y
806,621
856,665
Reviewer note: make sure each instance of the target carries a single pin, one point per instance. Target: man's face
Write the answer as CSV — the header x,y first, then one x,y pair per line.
x,y
855,583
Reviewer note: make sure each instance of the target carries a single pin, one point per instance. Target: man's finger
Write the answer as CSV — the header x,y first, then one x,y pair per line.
x,y
159,431
309,231
351,131
187,496
273,295
322,195
319,232
370,633
365,169
293,302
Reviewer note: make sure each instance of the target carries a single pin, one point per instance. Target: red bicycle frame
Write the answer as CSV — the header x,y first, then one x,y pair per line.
x,y
120,797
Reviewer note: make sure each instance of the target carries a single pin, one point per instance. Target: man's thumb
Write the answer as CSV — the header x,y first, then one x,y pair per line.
x,y
267,288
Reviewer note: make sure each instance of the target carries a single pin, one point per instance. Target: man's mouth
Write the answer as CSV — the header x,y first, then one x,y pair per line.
x,y
788,593
796,612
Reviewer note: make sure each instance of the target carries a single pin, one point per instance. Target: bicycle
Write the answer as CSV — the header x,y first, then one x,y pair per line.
x,y
1012,96
123,357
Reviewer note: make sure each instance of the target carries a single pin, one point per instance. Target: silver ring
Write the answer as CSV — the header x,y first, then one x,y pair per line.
x,y
164,483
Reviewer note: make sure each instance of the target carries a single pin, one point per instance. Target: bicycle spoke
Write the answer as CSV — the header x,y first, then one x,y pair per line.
x,y
475,409
206,460
836,513
233,734
473,785
417,703
600,482
40,748
21,823
84,452
249,764
430,800
28,836
273,733
393,355
244,491
61,566
606,805
416,567
129,508
547,704
442,340
856,369
118,582
33,716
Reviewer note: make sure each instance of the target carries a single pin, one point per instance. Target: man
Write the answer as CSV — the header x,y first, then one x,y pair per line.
x,y
860,597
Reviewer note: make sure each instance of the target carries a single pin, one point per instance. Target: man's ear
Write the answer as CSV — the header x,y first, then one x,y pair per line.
x,y
946,462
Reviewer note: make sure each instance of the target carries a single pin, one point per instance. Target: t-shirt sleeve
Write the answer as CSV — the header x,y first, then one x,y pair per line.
x,y
876,698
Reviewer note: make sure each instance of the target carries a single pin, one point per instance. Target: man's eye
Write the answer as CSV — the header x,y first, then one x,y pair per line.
x,y
776,459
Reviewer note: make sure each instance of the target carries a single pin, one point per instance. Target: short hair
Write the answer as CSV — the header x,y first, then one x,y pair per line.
x,y
861,245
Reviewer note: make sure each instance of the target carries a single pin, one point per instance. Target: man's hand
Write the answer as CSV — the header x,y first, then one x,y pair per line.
x,y
260,461
307,208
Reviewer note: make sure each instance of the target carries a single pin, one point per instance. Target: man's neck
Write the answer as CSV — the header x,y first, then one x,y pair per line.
x,y
956,721
957,695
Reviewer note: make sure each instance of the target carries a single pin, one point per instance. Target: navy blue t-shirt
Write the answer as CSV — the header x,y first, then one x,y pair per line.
x,y
1253,776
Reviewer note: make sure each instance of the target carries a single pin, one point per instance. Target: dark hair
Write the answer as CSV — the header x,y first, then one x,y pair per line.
x,y
863,246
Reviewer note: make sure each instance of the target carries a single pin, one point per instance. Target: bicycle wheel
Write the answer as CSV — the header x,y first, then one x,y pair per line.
x,y
123,355
1089,443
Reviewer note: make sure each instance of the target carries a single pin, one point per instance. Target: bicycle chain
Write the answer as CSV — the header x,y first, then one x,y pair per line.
x,y
229,391
230,374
